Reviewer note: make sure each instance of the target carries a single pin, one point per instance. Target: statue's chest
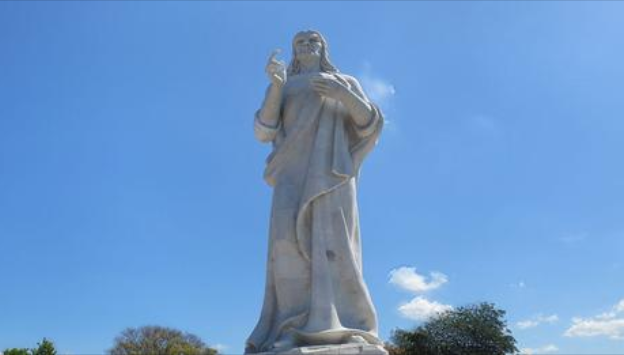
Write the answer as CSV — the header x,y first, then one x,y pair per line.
x,y
303,103
298,88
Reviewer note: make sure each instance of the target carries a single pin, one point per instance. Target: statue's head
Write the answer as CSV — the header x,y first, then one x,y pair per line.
x,y
310,45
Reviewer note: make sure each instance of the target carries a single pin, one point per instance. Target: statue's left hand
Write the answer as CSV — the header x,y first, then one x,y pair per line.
x,y
330,87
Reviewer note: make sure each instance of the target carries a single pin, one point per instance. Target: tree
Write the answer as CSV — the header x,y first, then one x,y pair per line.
x,y
16,351
46,347
473,330
155,340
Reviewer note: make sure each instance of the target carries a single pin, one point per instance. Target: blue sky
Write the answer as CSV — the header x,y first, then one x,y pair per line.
x,y
131,188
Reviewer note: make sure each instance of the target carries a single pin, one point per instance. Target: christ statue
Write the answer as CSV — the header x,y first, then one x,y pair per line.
x,y
321,126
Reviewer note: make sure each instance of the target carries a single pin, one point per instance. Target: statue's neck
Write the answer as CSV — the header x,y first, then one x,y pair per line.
x,y
312,65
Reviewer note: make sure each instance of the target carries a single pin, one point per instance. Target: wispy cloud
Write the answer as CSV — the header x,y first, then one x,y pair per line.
x,y
609,324
520,284
219,347
421,308
408,279
546,349
537,320
379,90
619,308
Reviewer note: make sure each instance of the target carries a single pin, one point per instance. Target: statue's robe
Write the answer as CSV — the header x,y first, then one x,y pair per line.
x,y
315,291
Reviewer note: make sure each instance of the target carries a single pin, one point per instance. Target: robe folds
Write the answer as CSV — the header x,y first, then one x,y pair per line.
x,y
315,291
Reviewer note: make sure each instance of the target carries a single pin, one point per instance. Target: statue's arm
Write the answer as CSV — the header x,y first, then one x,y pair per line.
x,y
348,91
267,120
364,115
356,103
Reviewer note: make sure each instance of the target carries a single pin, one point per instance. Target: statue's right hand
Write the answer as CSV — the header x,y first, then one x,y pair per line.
x,y
276,69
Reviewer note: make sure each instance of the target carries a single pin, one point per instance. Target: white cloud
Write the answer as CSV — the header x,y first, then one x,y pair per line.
x,y
619,308
537,320
550,348
609,324
219,347
421,308
612,328
379,90
407,278
520,284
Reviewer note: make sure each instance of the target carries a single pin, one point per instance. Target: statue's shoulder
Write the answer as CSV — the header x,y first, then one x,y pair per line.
x,y
347,77
353,81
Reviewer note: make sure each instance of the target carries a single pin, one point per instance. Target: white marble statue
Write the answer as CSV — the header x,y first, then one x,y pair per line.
x,y
322,126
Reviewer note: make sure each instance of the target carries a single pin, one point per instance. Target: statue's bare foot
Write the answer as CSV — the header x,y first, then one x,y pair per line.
x,y
356,339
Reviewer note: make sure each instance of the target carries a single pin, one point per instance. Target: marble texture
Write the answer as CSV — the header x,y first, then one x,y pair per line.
x,y
344,349
321,126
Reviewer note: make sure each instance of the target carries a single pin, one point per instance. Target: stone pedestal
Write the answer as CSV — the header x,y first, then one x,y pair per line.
x,y
345,349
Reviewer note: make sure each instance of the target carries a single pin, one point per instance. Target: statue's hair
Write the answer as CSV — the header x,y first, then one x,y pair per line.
x,y
326,66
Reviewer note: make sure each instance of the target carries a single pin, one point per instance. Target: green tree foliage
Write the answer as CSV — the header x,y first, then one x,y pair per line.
x,y
16,351
473,330
46,347
155,340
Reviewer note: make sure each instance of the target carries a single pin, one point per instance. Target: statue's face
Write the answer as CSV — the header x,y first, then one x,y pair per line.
x,y
308,44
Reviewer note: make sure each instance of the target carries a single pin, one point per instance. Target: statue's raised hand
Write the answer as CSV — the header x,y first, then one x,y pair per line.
x,y
276,69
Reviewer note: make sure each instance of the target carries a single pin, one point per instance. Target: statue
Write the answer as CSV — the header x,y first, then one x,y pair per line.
x,y
322,126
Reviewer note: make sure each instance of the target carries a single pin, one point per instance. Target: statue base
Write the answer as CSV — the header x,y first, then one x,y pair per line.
x,y
344,349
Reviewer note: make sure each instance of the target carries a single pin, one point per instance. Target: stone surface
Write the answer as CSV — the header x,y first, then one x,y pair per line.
x,y
345,349
321,126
